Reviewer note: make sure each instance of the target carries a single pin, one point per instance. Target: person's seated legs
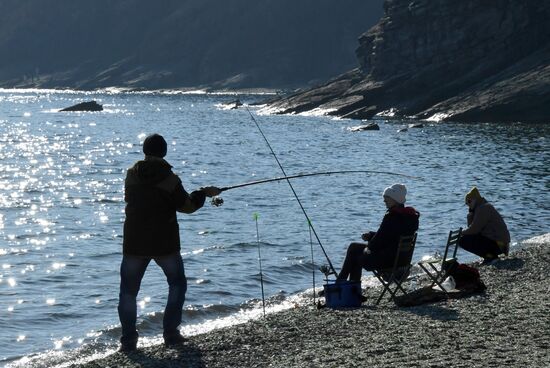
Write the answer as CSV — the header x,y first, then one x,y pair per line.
x,y
353,263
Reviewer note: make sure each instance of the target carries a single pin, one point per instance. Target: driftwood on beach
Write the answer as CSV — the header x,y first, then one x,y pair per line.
x,y
508,325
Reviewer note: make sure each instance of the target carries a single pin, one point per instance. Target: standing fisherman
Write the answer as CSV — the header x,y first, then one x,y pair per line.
x,y
153,195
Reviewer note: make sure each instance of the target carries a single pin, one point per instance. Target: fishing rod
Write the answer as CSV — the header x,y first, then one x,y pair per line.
x,y
260,260
312,262
279,178
293,191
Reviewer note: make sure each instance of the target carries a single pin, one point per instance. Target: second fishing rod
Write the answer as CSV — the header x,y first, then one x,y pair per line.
x,y
286,177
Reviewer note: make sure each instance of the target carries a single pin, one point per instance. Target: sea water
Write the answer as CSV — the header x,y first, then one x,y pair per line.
x,y
62,208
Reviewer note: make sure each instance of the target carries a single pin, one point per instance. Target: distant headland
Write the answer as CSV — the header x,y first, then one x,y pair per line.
x,y
471,61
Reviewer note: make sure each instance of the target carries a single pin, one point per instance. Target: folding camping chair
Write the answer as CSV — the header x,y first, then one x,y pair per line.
x,y
400,270
438,273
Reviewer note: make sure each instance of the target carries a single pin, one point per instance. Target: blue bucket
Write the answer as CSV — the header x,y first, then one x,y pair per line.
x,y
343,294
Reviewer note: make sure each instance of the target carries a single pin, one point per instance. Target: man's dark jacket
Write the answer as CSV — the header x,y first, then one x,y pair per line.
x,y
153,195
398,221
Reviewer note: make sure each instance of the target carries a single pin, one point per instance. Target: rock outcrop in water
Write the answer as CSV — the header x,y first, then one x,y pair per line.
x,y
467,60
84,106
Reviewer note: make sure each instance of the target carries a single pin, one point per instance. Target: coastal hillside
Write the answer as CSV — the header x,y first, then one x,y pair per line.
x,y
446,60
179,43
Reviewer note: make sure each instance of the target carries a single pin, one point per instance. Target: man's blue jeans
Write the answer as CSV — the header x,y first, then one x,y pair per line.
x,y
132,269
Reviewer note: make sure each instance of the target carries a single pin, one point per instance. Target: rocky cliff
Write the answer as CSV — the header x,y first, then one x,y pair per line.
x,y
468,60
179,43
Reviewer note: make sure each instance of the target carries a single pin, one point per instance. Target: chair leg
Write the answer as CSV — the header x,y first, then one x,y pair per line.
x,y
387,288
398,287
439,283
384,285
399,281
436,279
393,294
430,275
382,295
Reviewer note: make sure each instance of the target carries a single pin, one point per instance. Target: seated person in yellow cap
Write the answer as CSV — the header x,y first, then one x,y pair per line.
x,y
382,245
487,235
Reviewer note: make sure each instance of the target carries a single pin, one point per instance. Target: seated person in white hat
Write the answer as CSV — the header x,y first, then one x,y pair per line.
x,y
382,245
487,234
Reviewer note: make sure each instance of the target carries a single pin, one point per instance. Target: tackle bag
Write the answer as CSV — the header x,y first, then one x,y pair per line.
x,y
466,277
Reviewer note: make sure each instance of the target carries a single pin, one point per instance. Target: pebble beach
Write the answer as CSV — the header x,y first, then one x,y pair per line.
x,y
508,325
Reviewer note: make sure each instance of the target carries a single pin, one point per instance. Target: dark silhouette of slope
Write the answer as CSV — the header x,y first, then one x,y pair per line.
x,y
184,43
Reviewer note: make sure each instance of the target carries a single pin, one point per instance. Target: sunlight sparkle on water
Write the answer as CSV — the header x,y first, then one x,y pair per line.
x,y
57,266
44,222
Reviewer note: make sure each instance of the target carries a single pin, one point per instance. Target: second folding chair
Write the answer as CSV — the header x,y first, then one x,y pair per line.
x,y
438,270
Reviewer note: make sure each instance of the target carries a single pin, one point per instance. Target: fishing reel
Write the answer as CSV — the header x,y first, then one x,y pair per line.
x,y
216,201
327,270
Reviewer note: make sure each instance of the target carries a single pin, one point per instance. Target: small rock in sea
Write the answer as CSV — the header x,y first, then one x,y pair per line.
x,y
236,104
370,126
85,106
417,125
402,130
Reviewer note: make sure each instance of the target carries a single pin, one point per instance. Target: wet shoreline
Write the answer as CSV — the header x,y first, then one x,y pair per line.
x,y
508,325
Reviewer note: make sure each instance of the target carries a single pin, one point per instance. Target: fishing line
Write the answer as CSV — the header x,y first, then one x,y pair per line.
x,y
312,260
303,175
293,191
260,260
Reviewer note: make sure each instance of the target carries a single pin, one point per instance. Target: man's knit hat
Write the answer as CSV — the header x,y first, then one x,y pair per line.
x,y
473,194
397,192
155,145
